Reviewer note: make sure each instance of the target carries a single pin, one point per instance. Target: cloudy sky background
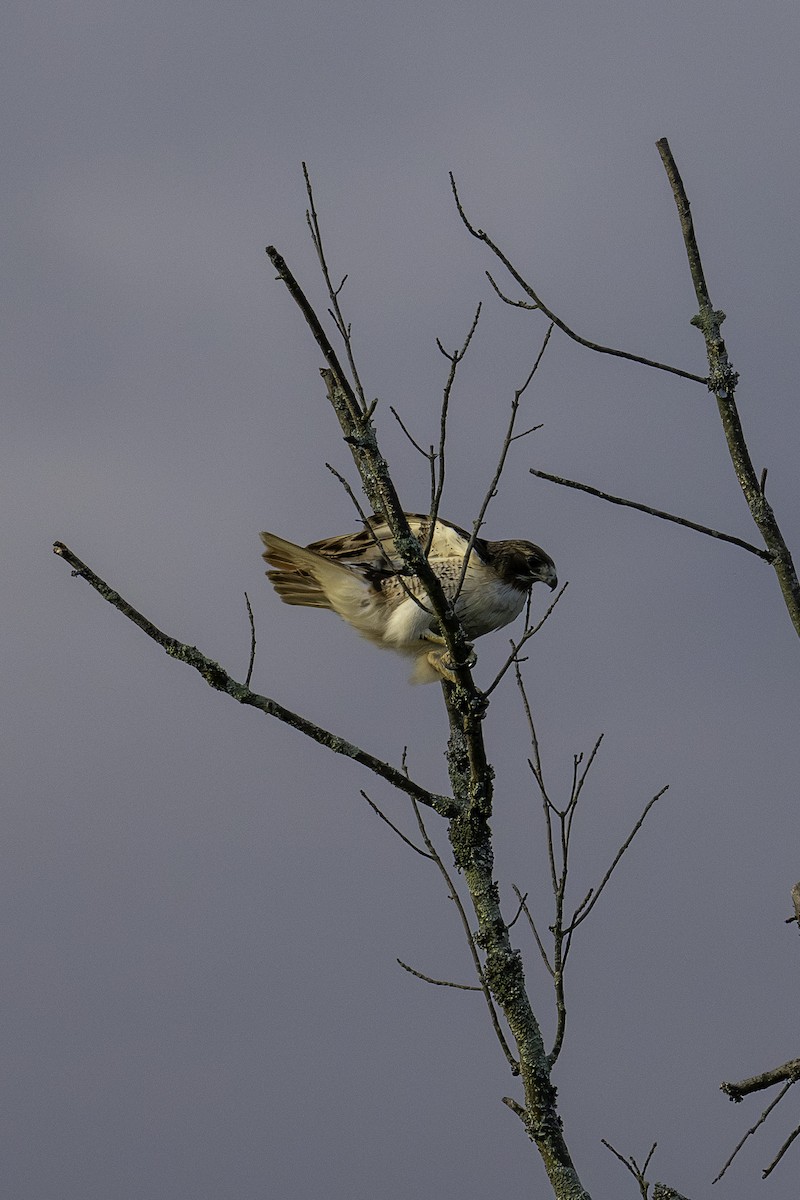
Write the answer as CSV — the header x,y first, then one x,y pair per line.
x,y
201,916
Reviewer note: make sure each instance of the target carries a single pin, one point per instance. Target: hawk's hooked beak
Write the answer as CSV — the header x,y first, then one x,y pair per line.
x,y
549,577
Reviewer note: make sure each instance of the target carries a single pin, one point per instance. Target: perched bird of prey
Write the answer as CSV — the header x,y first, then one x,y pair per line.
x,y
362,577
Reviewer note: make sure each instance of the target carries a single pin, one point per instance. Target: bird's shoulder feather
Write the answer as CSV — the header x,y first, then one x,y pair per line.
x,y
375,546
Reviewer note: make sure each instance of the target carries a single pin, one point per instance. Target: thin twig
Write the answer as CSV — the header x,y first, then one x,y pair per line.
x,y
631,1165
768,1170
438,473
351,401
753,1128
539,303
520,907
391,824
525,432
463,987
356,505
491,491
507,299
249,675
523,904
425,453
579,918
526,636
335,311
655,512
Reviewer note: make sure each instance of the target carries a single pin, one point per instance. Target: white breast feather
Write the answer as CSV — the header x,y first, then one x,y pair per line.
x,y
486,602
407,623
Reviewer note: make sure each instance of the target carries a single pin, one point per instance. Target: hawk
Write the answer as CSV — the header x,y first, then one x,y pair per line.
x,y
362,577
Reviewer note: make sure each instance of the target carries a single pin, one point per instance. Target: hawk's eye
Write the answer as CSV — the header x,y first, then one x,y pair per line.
x,y
533,562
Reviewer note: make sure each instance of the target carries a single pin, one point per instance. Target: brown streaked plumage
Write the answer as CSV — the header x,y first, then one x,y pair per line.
x,y
361,577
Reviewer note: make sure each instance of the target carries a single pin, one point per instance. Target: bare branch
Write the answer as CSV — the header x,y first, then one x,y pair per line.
x,y
454,358
789,1071
755,1127
586,908
655,512
501,462
525,432
515,1108
464,987
429,454
722,382
335,310
507,299
513,657
539,303
252,641
356,505
523,907
630,1164
769,1169
353,405
217,678
520,906
391,824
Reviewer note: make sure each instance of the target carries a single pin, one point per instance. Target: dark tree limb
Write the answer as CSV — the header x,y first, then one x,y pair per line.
x,y
786,1072
722,381
219,679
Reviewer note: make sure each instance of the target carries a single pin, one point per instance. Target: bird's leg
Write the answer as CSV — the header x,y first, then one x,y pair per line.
x,y
430,636
440,659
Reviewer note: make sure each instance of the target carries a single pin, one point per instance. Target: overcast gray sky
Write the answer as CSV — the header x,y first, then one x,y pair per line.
x,y
201,916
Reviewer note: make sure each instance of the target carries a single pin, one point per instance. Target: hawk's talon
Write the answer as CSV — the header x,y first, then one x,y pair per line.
x,y
430,636
443,664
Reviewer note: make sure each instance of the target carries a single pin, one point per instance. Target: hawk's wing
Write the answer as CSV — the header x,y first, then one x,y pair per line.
x,y
374,545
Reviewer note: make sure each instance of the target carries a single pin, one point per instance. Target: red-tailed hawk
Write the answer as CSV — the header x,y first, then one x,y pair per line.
x,y
361,577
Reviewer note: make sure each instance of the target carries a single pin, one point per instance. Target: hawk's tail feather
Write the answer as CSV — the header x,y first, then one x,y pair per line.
x,y
302,576
296,588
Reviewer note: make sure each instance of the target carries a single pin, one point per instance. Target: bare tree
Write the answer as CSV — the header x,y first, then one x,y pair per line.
x,y
467,811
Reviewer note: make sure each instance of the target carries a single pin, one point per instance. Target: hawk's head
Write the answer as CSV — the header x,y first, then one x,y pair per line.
x,y
522,564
